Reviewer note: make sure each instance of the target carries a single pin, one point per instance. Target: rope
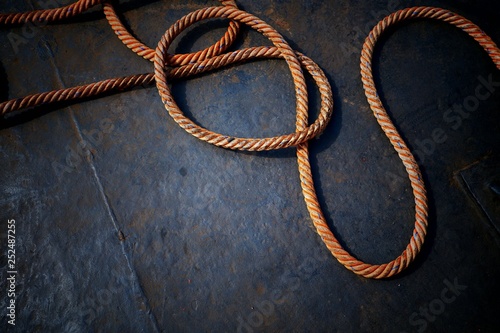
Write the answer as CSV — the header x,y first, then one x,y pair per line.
x,y
173,60
48,15
212,58
416,241
224,141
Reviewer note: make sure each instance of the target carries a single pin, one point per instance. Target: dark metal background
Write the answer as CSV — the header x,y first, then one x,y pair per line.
x,y
127,223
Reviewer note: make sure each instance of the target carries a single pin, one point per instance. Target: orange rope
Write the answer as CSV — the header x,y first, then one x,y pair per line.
x,y
401,262
173,60
286,52
48,15
212,58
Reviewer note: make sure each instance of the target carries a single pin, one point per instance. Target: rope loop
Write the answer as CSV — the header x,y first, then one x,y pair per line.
x,y
225,141
172,60
213,57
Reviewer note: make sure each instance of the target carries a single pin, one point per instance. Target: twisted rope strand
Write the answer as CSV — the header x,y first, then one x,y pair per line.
x,y
56,14
414,175
131,81
222,140
211,58
48,15
173,60
128,82
420,227
78,92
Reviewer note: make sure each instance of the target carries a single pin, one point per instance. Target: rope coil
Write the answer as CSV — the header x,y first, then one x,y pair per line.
x,y
211,58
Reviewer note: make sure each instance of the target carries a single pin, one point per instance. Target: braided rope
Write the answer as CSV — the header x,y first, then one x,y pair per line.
x,y
420,228
420,198
173,60
128,82
78,92
224,141
48,15
211,58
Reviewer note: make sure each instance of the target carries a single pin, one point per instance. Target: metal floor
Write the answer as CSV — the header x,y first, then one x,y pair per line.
x,y
126,223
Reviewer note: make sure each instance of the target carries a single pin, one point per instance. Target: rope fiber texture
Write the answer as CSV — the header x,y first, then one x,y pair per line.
x,y
169,67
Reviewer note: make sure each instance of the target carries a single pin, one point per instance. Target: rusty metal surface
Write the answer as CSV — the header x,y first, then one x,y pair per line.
x,y
126,223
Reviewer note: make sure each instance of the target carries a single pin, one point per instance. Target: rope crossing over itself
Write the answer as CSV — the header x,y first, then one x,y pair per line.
x,y
213,57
